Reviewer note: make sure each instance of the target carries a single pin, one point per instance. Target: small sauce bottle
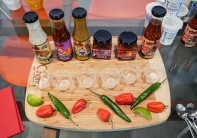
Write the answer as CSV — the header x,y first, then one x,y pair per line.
x,y
81,35
152,33
127,46
61,36
189,36
102,45
38,38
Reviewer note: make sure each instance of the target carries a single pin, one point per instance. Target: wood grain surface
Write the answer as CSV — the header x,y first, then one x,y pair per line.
x,y
87,119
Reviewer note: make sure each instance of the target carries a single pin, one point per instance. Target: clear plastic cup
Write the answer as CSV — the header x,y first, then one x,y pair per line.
x,y
110,77
61,79
153,72
130,73
40,78
13,4
86,77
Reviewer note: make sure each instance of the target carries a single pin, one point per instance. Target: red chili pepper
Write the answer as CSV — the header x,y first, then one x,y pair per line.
x,y
45,111
156,106
79,105
104,115
124,98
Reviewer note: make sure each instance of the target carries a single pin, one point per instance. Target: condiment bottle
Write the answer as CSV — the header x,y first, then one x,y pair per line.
x,y
38,38
102,45
61,36
81,35
189,36
127,46
152,33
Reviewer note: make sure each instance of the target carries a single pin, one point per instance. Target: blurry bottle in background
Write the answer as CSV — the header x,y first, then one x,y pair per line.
x,y
35,4
192,10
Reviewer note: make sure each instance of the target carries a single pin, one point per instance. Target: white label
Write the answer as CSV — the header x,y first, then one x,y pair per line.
x,y
167,38
173,8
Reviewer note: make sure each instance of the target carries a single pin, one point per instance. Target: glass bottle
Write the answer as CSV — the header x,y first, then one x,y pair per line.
x,y
61,36
38,38
81,35
152,33
102,45
127,46
189,36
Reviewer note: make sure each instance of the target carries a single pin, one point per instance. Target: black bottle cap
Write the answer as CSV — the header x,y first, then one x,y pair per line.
x,y
128,38
79,13
30,17
158,11
103,37
56,14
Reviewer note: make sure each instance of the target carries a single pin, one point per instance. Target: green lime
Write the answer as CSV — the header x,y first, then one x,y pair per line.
x,y
143,112
34,101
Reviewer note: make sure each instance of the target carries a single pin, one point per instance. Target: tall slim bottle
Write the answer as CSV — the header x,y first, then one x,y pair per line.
x,y
81,35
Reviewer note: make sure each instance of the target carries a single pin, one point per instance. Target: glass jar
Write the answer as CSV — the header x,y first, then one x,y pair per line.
x,y
102,45
127,46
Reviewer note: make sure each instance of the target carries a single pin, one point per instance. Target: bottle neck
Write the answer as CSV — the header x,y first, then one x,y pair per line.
x,y
156,20
80,32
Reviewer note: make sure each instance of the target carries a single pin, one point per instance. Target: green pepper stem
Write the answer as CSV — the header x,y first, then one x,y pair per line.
x,y
54,109
94,93
163,81
72,121
165,106
112,124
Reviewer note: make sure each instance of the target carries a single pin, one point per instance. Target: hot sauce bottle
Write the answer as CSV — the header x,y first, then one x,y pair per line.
x,y
127,46
38,38
61,36
152,33
189,36
102,45
81,35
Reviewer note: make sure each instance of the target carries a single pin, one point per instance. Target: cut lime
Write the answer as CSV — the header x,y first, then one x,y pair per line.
x,y
143,112
34,101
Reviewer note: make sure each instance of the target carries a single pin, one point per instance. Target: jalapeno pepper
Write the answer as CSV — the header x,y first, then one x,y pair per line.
x,y
61,108
156,106
113,106
146,93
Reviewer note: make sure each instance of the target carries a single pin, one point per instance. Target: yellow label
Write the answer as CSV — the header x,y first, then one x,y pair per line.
x,y
189,37
148,48
82,49
43,52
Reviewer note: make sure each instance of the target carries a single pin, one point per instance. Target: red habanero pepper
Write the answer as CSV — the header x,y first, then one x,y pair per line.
x,y
104,115
45,111
79,105
156,106
124,98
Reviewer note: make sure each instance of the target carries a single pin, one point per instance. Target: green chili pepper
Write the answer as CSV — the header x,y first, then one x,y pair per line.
x,y
146,93
61,108
113,106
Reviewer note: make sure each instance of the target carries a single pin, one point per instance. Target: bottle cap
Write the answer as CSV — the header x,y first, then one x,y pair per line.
x,y
158,11
56,14
79,13
128,38
30,17
103,37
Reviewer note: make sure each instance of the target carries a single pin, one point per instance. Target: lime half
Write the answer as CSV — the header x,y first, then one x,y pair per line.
x,y
143,112
34,100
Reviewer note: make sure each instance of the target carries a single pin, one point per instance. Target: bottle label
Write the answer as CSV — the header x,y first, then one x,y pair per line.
x,y
148,48
99,53
43,52
64,50
127,55
189,37
82,49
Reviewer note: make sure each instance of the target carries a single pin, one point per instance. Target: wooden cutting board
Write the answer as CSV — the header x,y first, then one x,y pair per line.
x,y
88,119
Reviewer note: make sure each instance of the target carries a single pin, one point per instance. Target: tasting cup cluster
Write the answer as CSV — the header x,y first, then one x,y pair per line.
x,y
86,77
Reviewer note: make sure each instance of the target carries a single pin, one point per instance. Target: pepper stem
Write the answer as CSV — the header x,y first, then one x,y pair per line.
x,y
163,81
54,109
94,93
72,121
112,124
165,106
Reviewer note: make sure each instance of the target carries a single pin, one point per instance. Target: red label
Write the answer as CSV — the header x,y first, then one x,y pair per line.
x,y
127,55
99,53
